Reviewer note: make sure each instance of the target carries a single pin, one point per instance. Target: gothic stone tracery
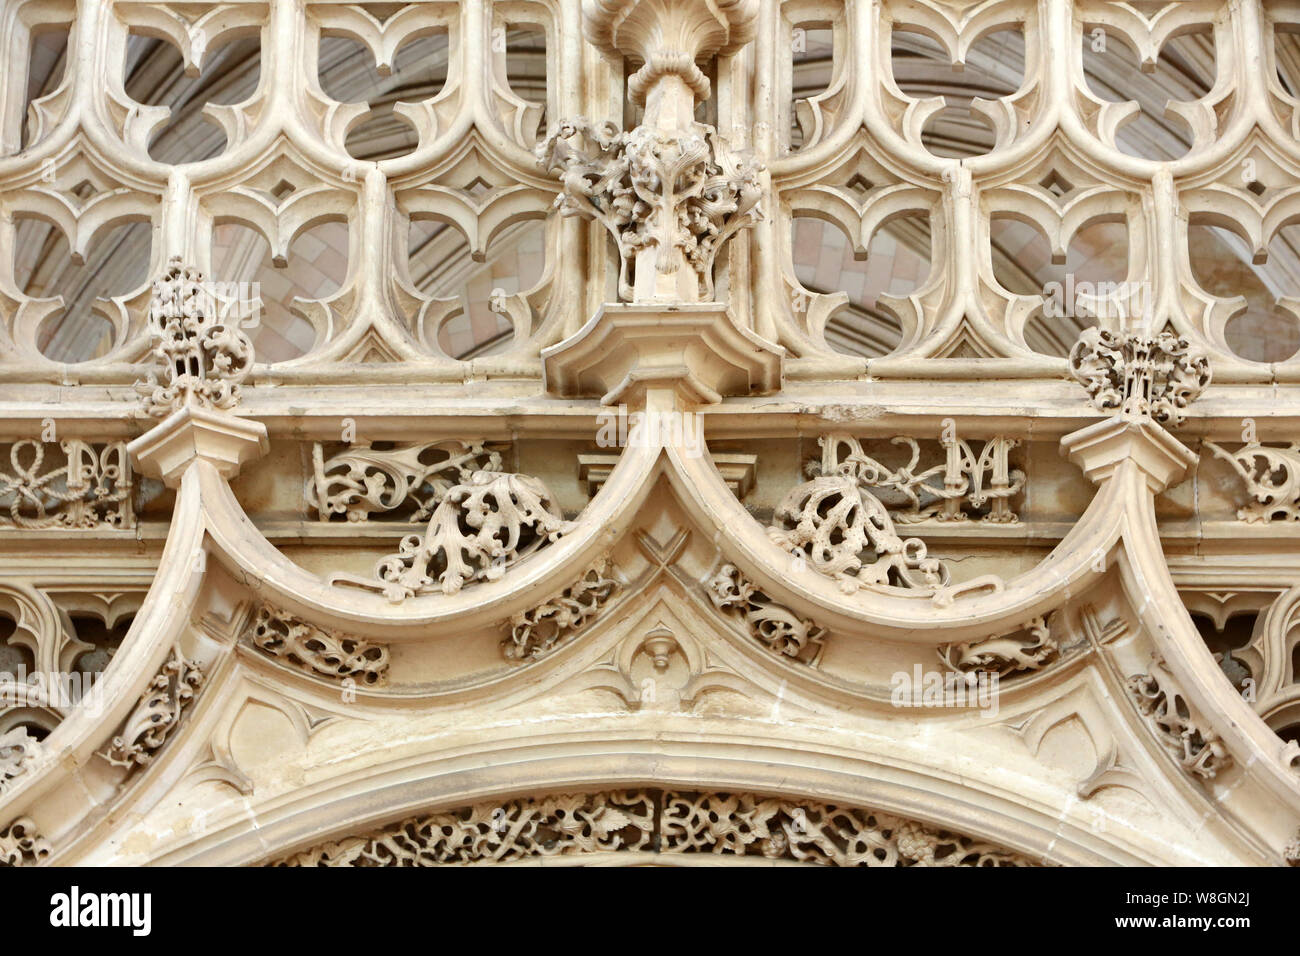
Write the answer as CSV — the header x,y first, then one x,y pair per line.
x,y
616,406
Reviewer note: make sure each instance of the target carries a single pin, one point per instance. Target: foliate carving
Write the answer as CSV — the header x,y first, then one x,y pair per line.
x,y
90,488
1027,650
481,520
1199,749
837,525
157,714
653,821
21,844
777,828
360,482
683,194
538,631
200,358
18,749
484,525
1136,373
939,492
1271,476
500,832
773,625
1291,852
317,650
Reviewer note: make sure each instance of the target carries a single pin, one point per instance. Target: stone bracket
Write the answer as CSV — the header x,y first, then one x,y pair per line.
x,y
695,350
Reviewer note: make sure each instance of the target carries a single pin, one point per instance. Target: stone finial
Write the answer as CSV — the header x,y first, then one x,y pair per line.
x,y
1139,374
199,359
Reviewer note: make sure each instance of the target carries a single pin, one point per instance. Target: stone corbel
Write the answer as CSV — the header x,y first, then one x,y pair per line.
x,y
192,433
694,350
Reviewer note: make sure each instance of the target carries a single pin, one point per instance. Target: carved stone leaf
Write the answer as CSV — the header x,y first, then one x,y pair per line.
x,y
157,714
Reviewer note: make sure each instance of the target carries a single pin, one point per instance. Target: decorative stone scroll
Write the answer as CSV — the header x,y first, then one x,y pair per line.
x,y
773,625
1028,650
17,751
158,713
1272,479
361,482
481,520
1135,373
538,631
317,650
21,844
659,822
684,194
201,359
90,487
1198,749
835,524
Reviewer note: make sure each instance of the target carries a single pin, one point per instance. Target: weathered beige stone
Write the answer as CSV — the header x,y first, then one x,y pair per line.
x,y
647,544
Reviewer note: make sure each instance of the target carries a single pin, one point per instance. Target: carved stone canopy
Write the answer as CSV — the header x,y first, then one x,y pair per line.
x,y
668,36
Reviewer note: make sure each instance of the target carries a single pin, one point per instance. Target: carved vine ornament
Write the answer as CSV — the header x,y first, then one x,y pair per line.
x,y
1030,649
773,625
18,751
157,714
1198,749
684,192
200,358
1271,476
538,631
317,650
1136,373
663,822
835,524
21,844
481,519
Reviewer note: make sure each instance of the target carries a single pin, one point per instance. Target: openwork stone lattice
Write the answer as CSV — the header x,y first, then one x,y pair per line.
x,y
776,627
662,822
1196,747
21,844
538,631
500,832
91,488
317,650
1135,373
835,524
158,713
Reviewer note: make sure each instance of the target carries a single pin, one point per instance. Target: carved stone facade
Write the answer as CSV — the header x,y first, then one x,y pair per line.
x,y
622,432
